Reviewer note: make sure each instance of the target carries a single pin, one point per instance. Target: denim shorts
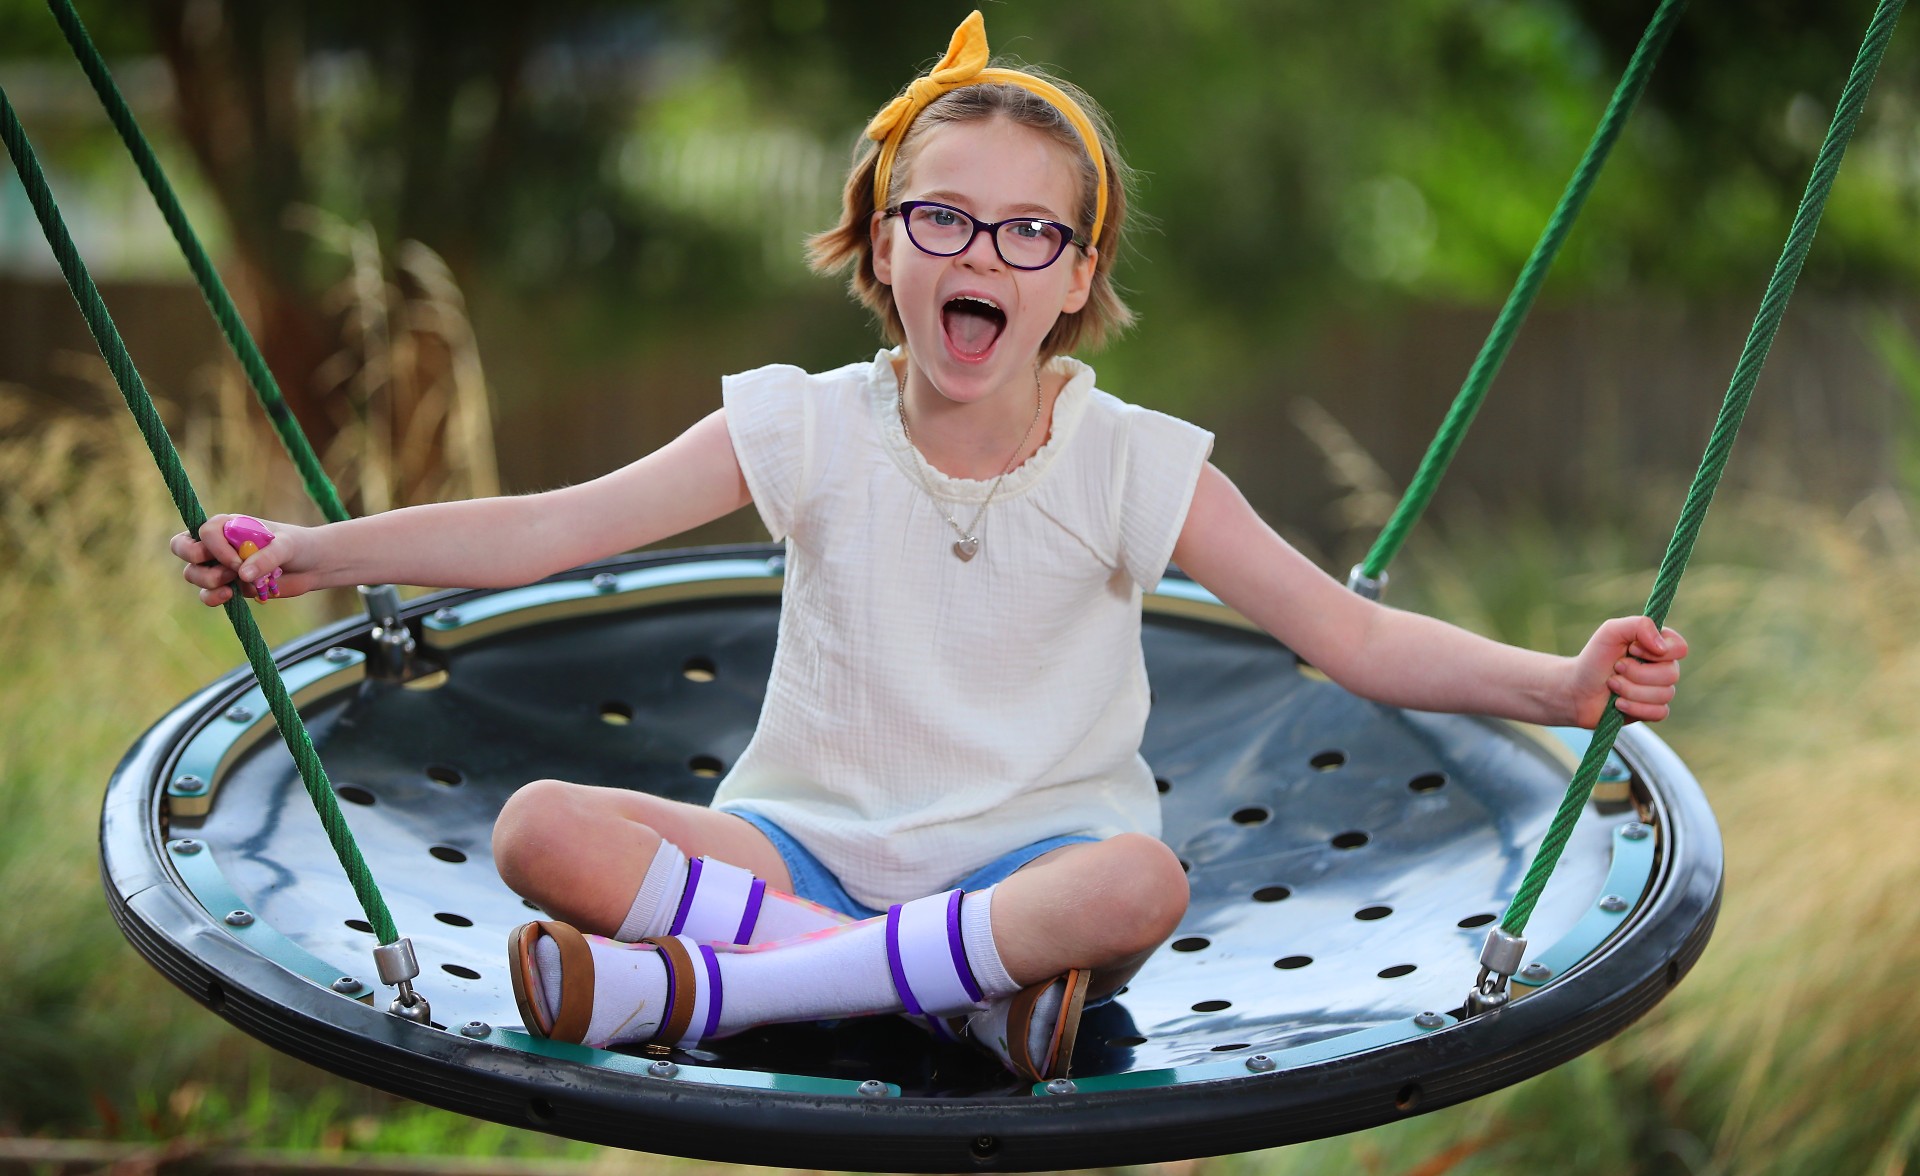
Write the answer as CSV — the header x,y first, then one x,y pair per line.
x,y
815,883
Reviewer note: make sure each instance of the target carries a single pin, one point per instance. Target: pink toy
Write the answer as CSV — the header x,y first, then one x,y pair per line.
x,y
248,536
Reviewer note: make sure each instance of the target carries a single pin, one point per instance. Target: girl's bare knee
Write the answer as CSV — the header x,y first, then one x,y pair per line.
x,y
1147,890
531,831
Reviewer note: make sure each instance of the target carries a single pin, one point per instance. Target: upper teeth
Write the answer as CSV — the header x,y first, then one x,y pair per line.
x,y
987,302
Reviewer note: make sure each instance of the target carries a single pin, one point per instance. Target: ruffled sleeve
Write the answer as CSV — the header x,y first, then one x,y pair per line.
x,y
1164,456
771,420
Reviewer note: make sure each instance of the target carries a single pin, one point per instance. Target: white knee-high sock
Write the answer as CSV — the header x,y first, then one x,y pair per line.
x,y
836,972
712,902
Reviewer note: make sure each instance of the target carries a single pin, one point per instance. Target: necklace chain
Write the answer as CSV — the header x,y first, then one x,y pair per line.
x,y
968,543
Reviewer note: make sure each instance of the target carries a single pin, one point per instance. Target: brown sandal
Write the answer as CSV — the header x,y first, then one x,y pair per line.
x,y
576,963
575,1013
1066,1026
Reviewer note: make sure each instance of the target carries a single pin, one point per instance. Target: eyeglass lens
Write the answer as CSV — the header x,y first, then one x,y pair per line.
x,y
1028,244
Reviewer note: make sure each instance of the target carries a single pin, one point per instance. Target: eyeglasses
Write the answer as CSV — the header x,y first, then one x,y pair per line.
x,y
945,231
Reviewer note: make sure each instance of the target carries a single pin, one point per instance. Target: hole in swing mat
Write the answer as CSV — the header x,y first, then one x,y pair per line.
x,y
1408,1097
1395,972
1233,1047
1212,1006
1191,943
540,1110
616,714
448,853
1162,784
460,970
1428,782
1291,963
442,774
360,925
453,920
1272,894
1472,921
699,669
353,794
707,767
1372,913
1328,760
1352,839
1252,815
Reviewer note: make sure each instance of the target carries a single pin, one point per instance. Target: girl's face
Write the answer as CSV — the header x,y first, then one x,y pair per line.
x,y
974,324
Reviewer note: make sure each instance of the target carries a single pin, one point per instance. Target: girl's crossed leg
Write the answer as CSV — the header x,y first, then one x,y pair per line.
x,y
581,852
1016,958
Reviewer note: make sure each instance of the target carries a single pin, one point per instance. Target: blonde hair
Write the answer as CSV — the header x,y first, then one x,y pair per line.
x,y
850,242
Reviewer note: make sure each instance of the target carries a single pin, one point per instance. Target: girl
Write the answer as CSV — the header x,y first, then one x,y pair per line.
x,y
943,810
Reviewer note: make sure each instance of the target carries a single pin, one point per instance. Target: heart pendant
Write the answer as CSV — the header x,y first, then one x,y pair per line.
x,y
967,548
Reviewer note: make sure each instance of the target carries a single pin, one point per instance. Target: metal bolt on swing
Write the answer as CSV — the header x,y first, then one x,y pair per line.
x,y
393,643
1499,960
398,966
1361,584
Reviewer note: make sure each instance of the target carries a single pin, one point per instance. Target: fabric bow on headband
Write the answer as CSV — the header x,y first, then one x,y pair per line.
x,y
966,65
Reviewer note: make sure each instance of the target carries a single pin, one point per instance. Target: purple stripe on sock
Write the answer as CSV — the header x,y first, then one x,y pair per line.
x,y
713,998
896,965
686,897
954,941
754,898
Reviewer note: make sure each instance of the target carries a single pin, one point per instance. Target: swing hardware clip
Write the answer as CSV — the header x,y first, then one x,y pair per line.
x,y
1499,959
393,643
1363,585
398,966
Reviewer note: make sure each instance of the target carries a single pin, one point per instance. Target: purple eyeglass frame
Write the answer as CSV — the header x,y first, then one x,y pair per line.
x,y
1068,236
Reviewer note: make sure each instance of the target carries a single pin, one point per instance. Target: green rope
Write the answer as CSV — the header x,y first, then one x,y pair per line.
x,y
1493,352
319,488
134,391
1806,221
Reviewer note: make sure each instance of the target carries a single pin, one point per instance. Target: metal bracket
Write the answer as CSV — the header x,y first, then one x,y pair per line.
x,y
1362,584
398,966
393,643
1499,959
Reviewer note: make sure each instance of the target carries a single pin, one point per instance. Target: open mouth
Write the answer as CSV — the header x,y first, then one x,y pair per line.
x,y
972,325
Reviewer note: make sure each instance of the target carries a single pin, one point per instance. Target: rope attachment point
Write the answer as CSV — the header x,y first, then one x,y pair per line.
x,y
1500,958
398,966
393,644
1371,587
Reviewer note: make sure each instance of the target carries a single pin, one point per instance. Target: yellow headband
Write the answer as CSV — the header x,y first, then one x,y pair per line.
x,y
966,65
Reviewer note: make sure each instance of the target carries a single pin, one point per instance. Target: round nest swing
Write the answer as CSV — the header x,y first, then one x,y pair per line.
x,y
1345,859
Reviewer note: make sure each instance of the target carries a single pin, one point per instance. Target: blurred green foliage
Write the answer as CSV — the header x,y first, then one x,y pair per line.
x,y
1291,151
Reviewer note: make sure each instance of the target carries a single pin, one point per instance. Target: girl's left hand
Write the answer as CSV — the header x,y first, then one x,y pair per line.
x,y
1630,660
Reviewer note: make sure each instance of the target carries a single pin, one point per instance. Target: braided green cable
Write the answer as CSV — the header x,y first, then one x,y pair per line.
x,y
134,391
1493,353
319,488
1806,221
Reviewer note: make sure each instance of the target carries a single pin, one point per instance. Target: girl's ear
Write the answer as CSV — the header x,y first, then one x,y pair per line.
x,y
1080,288
882,239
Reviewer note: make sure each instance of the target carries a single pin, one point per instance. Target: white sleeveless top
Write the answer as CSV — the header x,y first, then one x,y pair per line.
x,y
927,715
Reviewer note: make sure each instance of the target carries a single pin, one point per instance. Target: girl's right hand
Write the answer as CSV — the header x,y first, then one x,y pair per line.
x,y
216,568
